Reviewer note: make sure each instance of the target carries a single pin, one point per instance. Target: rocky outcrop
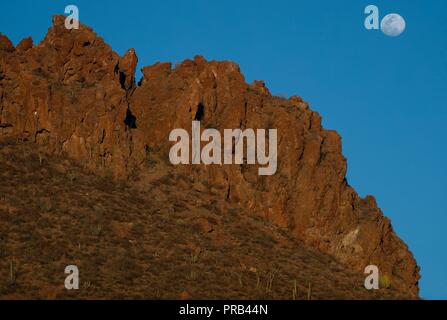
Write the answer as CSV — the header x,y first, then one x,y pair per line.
x,y
73,94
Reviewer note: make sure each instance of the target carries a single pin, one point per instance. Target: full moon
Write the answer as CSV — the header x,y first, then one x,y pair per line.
x,y
392,25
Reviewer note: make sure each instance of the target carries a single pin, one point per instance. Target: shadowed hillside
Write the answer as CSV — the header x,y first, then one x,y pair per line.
x,y
156,242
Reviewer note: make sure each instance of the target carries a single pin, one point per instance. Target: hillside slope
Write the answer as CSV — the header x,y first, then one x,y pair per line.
x,y
156,243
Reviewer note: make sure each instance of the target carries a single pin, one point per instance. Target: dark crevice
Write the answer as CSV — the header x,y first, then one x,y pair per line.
x,y
122,80
140,82
121,75
200,114
131,120
43,130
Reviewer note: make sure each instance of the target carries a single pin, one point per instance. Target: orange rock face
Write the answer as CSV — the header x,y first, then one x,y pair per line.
x,y
75,95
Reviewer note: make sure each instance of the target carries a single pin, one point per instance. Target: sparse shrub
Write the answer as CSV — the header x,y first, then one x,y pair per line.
x,y
211,125
384,282
86,285
179,206
191,276
210,206
258,280
150,162
239,279
295,290
270,278
96,230
45,206
138,229
86,84
41,159
72,177
13,270
165,180
195,257
233,212
73,96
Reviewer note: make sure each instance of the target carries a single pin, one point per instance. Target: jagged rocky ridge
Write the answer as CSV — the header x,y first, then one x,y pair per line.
x,y
73,94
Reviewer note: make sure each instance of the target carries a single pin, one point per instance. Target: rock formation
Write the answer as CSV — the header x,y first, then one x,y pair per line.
x,y
73,94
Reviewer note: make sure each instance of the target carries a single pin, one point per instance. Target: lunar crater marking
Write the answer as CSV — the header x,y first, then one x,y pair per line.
x,y
393,25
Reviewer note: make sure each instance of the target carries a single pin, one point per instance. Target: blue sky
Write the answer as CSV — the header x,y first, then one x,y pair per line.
x,y
385,96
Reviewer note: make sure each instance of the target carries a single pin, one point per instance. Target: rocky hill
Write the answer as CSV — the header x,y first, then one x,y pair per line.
x,y
72,96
